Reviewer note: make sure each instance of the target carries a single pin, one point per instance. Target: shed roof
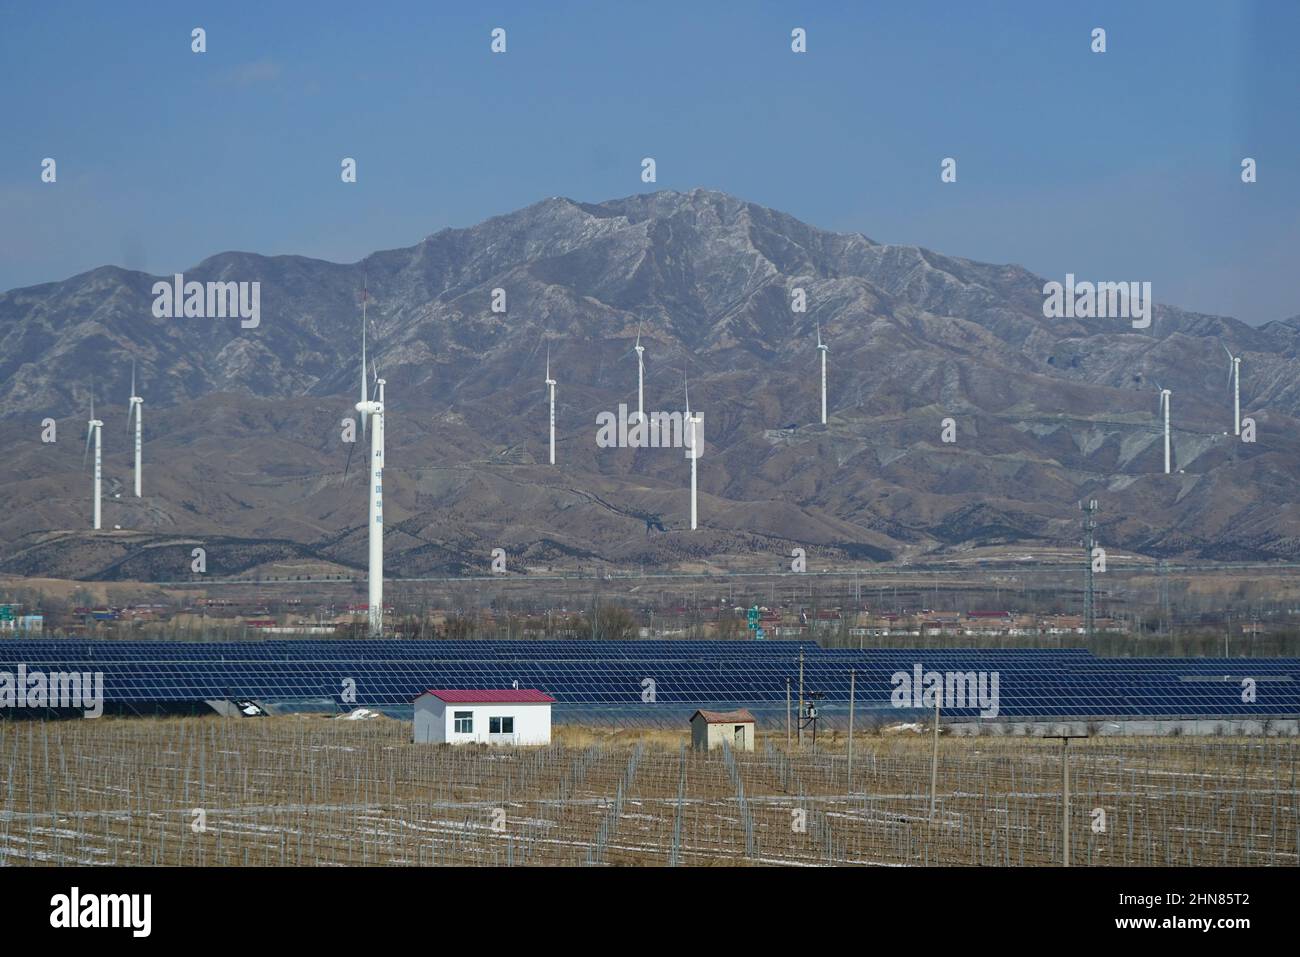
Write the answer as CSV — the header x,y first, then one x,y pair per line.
x,y
740,716
490,695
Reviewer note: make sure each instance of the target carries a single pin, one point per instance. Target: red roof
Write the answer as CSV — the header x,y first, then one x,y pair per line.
x,y
742,716
491,696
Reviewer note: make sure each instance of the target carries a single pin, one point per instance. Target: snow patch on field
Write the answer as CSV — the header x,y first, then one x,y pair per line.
x,y
358,714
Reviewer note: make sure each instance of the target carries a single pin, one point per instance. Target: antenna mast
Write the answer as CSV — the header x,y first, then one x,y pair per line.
x,y
1089,543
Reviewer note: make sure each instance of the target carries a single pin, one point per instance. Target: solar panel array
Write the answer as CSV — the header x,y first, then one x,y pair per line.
x,y
1022,683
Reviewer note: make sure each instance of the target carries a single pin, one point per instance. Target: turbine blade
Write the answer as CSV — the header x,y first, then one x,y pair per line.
x,y
89,431
364,294
351,448
130,412
133,377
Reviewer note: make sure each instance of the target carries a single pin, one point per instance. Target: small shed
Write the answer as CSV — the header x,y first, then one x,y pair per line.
x,y
483,716
710,728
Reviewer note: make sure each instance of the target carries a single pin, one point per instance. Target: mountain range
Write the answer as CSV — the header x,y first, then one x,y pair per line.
x,y
243,449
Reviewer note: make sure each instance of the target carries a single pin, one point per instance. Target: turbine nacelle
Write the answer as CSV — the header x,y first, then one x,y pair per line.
x,y
133,400
91,425
1234,365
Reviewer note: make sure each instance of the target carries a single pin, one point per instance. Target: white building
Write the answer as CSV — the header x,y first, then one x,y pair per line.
x,y
508,716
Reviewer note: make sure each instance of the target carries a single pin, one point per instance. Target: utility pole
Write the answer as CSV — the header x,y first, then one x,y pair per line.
x,y
1065,804
801,697
787,714
853,675
1065,793
1166,617
1089,543
934,756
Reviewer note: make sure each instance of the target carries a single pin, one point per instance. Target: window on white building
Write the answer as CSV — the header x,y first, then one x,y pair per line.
x,y
501,725
464,722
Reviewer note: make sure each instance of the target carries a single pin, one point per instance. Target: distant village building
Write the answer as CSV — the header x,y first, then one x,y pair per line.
x,y
297,629
23,625
483,716
710,728
1062,625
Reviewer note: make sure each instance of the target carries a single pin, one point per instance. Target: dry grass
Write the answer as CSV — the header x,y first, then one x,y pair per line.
x,y
580,736
290,791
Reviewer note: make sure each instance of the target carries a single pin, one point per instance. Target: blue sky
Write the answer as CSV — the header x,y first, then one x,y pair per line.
x,y
1122,166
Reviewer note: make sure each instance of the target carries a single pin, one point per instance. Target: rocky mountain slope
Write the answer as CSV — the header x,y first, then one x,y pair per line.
x,y
242,425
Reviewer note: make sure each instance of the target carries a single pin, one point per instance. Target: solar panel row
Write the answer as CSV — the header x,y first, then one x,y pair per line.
x,y
1016,683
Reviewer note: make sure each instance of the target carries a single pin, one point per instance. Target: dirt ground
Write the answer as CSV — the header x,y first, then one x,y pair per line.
x,y
298,790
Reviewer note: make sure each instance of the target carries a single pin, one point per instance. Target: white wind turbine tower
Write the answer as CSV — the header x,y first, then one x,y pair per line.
x,y
1234,379
373,408
821,347
640,376
551,386
136,409
1164,407
94,428
693,423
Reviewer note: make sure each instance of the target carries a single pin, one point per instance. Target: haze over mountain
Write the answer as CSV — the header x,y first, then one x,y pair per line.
x,y
242,426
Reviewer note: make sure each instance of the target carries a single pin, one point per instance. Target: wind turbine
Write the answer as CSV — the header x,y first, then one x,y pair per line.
x,y
93,430
1164,407
136,408
373,408
821,347
551,386
693,423
640,375
1234,379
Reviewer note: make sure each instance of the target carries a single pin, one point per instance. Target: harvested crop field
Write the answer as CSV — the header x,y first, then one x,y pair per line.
x,y
298,791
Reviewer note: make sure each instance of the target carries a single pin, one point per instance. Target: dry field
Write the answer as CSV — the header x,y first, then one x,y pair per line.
x,y
295,791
